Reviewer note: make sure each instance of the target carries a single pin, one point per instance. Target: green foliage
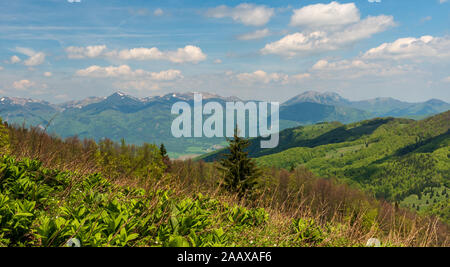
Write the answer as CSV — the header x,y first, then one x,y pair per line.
x,y
44,207
308,231
239,171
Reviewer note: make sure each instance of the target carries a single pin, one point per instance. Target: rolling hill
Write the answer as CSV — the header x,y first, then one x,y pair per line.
x,y
400,160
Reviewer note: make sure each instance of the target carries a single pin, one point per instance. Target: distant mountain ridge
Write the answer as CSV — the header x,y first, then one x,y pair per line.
x,y
149,119
381,107
327,98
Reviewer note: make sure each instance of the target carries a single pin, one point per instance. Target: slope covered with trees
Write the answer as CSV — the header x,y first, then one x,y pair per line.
x,y
394,160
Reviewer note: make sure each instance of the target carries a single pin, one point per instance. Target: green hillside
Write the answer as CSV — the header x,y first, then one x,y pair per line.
x,y
393,159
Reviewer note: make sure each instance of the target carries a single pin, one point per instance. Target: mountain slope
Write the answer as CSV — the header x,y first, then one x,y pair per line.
x,y
327,98
311,136
310,113
31,112
398,159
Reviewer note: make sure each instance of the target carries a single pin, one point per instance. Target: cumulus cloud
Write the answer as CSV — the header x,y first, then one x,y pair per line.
x,y
258,34
412,48
189,53
298,43
247,14
342,65
74,52
124,71
319,15
34,58
23,84
329,27
139,54
262,76
356,68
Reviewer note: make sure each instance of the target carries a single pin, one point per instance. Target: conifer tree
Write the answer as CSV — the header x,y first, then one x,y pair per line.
x,y
164,156
239,170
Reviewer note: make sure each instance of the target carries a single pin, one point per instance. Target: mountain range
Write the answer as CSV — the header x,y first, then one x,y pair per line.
x,y
149,119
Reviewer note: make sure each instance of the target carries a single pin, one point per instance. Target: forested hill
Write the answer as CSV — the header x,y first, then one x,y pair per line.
x,y
400,160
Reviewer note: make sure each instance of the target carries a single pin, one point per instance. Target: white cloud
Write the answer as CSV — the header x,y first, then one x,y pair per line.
x,y
139,54
158,12
74,1
364,29
23,84
35,58
48,74
301,76
124,71
85,52
1,68
247,14
443,1
258,34
342,65
322,40
167,75
352,69
262,76
320,15
218,61
412,48
15,59
376,1
26,51
189,53
447,79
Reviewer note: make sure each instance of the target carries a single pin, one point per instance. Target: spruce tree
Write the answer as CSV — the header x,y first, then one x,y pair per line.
x,y
165,158
239,170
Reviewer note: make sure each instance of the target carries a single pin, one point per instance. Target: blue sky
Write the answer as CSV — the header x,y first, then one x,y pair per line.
x,y
60,50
